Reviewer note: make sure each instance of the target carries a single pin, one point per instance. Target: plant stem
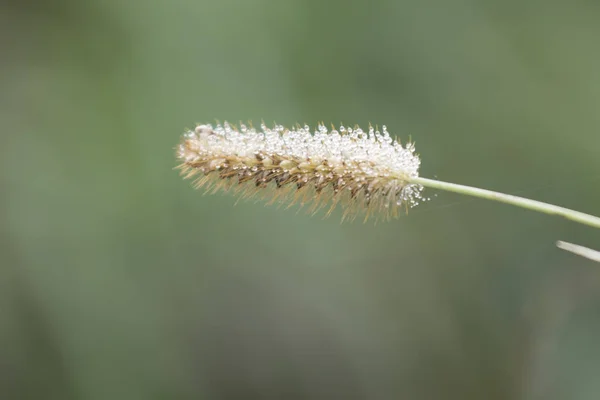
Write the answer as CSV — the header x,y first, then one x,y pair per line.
x,y
534,205
579,250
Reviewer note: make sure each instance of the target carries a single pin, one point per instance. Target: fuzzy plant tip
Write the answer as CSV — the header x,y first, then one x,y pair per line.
x,y
367,173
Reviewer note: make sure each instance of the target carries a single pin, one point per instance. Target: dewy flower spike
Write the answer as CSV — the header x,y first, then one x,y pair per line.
x,y
364,172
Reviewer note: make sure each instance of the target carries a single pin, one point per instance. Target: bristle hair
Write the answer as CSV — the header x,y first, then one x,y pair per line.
x,y
366,173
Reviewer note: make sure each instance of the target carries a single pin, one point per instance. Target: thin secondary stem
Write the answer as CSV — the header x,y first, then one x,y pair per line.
x,y
534,205
579,250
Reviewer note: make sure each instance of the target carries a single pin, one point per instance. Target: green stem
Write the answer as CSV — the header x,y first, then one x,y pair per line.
x,y
534,205
579,250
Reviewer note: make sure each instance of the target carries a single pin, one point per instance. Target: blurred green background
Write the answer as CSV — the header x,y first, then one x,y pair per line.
x,y
119,281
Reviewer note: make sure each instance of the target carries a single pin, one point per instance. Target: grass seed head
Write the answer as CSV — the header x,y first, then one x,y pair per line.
x,y
366,173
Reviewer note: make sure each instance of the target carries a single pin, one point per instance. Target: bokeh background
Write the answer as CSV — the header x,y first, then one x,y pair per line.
x,y
119,281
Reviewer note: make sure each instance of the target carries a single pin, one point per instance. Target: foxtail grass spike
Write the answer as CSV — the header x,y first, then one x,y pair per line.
x,y
366,172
